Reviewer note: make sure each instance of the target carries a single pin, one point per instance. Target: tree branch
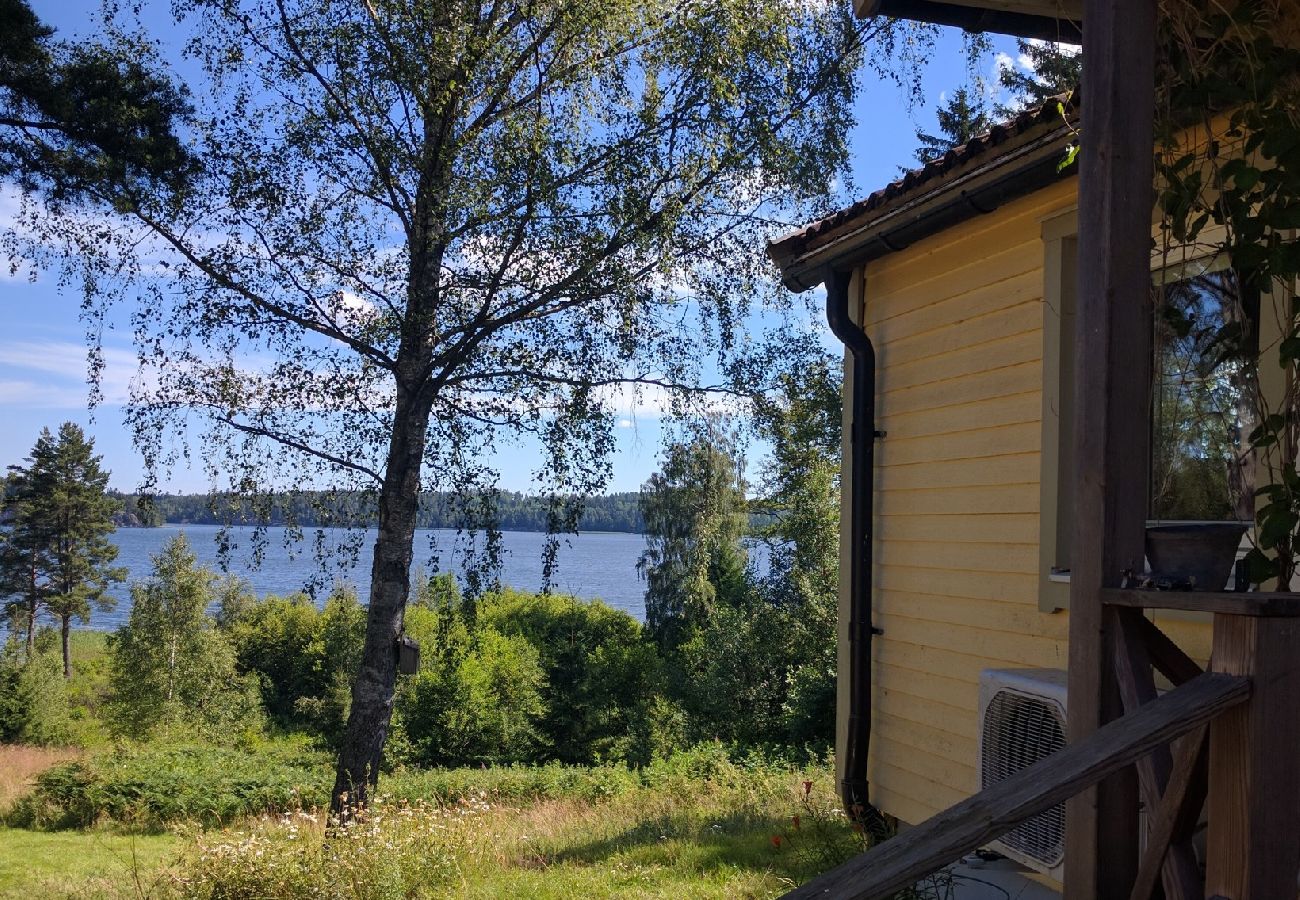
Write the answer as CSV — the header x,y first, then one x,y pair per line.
x,y
302,447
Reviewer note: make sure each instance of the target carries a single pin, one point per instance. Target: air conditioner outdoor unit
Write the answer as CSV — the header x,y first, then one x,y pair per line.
x,y
1022,720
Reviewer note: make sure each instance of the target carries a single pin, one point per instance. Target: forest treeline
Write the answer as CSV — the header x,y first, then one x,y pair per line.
x,y
512,511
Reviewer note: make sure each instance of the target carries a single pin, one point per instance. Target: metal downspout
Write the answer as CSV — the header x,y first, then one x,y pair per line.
x,y
853,786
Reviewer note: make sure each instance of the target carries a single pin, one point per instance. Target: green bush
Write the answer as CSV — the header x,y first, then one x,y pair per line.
x,y
157,785
602,673
476,699
170,664
302,658
152,786
34,706
513,784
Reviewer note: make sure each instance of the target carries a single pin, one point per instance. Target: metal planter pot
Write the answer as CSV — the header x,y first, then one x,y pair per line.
x,y
1202,551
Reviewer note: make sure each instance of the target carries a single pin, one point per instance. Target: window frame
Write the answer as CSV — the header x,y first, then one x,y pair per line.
x,y
1060,245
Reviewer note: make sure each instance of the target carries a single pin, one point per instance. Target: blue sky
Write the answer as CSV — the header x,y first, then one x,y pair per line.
x,y
42,340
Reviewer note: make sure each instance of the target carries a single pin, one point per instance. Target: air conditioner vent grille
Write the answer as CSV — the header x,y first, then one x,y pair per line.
x,y
1018,732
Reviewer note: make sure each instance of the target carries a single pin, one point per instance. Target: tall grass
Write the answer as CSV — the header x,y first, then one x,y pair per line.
x,y
657,837
151,787
20,764
698,824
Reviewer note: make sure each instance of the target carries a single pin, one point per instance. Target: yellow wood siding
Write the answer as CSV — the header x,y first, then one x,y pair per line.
x,y
957,322
958,325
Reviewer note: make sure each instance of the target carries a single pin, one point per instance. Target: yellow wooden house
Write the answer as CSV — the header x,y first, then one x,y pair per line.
x,y
961,272
962,276
1000,384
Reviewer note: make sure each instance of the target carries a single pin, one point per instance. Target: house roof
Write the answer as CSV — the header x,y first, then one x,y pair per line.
x,y
1010,159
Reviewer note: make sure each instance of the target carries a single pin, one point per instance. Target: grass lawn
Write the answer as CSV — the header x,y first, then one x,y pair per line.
x,y
663,847
80,863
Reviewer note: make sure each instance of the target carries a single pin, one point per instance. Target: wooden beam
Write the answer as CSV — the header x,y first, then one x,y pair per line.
x,y
1112,411
1173,820
1253,603
1023,18
1254,805
1168,658
901,861
1137,687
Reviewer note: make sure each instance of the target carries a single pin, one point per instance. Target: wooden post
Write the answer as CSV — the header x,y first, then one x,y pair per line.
x,y
1112,411
1253,849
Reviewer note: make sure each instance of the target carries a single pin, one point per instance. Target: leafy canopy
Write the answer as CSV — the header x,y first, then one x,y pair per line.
x,y
74,116
494,212
1054,69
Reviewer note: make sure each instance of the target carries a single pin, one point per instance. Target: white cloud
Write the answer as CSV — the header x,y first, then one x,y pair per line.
x,y
66,362
30,395
354,305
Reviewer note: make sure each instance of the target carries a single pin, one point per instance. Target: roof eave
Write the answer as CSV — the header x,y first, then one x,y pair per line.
x,y
976,17
978,190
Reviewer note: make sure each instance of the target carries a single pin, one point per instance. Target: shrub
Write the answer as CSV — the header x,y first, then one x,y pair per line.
x,y
170,664
513,784
303,659
153,786
34,705
474,701
273,641
602,673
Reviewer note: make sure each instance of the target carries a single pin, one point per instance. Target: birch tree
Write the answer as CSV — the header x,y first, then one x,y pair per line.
x,y
169,665
416,227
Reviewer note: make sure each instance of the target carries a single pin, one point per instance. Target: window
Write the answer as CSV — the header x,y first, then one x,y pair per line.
x,y
1202,405
1202,409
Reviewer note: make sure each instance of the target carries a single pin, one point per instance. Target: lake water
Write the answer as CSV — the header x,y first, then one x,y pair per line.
x,y
590,565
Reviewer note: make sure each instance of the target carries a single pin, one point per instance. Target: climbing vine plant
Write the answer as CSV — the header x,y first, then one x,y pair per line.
x,y
1228,187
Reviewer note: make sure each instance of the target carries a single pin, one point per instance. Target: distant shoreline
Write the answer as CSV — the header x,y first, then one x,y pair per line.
x,y
192,524
507,510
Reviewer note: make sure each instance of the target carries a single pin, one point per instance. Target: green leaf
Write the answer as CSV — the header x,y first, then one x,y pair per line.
x,y
1259,568
1247,178
1071,154
1276,527
1289,350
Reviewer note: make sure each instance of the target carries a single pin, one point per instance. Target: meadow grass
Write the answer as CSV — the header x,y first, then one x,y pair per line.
x,y
706,840
98,863
696,825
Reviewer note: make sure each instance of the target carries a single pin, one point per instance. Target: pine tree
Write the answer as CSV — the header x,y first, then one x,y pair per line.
x,y
58,548
961,119
1055,69
21,584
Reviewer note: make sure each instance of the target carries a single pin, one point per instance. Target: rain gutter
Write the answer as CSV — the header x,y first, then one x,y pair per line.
x,y
862,438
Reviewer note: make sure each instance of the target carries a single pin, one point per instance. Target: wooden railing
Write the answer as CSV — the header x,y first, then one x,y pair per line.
x,y
1199,740
903,860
